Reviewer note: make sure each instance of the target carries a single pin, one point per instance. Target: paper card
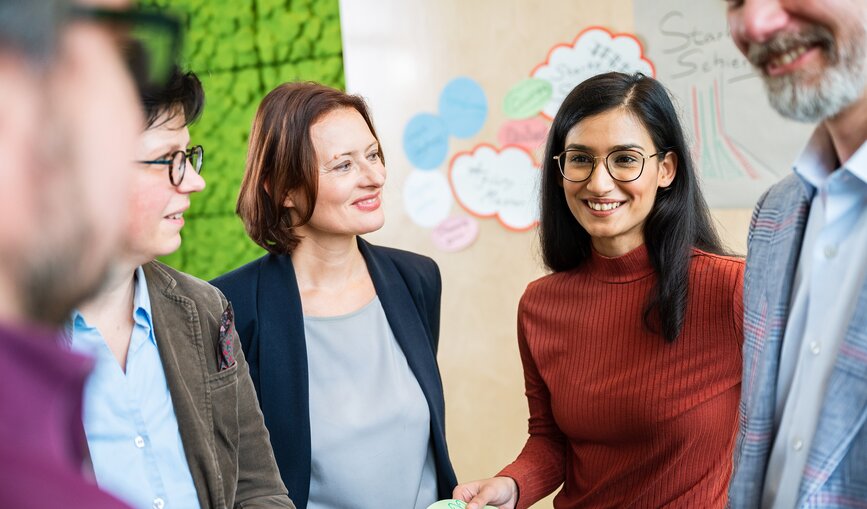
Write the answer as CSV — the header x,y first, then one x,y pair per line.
x,y
527,98
427,198
455,234
426,141
452,504
594,51
501,183
530,133
463,107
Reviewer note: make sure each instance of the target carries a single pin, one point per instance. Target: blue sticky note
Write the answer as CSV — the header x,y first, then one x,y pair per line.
x,y
426,141
463,107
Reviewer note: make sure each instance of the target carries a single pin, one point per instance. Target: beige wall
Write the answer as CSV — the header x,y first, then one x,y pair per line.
x,y
399,55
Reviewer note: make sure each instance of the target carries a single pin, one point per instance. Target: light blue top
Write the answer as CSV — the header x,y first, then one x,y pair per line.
x,y
129,419
829,276
369,419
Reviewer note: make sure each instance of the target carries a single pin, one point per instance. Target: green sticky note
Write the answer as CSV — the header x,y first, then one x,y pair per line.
x,y
527,98
452,504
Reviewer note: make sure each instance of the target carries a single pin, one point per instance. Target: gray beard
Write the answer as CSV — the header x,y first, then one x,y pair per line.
x,y
836,89
842,83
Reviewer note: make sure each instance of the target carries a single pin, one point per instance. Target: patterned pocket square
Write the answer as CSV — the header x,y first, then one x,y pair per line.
x,y
227,348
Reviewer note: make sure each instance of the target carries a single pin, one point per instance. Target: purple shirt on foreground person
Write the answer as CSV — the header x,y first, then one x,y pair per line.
x,y
41,387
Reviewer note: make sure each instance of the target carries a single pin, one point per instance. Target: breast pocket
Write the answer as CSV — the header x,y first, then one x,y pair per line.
x,y
224,402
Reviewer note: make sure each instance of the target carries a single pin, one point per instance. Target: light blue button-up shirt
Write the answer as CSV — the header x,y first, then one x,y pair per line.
x,y
129,419
830,272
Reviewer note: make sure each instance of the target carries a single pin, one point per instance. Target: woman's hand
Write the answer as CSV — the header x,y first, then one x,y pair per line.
x,y
501,492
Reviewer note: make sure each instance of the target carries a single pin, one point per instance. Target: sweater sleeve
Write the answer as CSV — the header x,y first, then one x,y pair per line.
x,y
541,466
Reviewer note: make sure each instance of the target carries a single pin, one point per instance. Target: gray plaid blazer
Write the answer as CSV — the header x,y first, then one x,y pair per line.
x,y
836,472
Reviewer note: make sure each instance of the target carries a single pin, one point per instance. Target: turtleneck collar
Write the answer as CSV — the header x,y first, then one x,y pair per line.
x,y
630,267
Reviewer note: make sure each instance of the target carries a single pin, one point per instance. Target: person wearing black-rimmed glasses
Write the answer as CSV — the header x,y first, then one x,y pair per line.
x,y
170,412
70,119
632,345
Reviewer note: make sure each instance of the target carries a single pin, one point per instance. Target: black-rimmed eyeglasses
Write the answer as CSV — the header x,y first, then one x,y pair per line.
x,y
623,165
177,163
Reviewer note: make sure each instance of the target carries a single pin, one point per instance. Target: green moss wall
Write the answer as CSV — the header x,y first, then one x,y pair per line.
x,y
241,49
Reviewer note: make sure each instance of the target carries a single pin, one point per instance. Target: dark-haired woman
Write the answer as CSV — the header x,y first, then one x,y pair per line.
x,y
340,335
631,347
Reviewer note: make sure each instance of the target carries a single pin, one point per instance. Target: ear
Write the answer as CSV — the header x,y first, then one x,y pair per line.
x,y
289,200
667,170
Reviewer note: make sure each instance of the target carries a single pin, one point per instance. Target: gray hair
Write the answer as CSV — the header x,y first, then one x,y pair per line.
x,y
31,27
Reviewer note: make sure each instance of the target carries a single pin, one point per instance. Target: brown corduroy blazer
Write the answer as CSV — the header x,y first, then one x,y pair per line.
x,y
224,436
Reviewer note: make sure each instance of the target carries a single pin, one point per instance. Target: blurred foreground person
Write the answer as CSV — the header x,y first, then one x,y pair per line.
x,y
70,119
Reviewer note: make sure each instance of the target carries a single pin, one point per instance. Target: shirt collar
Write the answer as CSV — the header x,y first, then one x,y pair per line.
x,y
857,164
141,303
141,309
818,160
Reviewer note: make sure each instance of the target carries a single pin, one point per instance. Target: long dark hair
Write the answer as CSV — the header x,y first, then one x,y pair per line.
x,y
679,220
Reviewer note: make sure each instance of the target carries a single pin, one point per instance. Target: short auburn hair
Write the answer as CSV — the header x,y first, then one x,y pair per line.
x,y
281,158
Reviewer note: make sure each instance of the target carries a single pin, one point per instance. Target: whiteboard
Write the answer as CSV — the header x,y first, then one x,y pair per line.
x,y
740,144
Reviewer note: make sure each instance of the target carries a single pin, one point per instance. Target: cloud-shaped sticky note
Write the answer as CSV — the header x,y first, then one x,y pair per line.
x,y
594,51
489,182
452,504
463,107
426,198
426,141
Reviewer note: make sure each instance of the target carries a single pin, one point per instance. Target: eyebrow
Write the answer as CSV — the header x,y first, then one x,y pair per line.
x,y
171,150
585,148
374,144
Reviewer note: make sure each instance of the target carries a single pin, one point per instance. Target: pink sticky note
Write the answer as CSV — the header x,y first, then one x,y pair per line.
x,y
528,133
455,234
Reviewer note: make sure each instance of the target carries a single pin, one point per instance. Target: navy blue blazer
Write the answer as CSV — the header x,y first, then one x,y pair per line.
x,y
268,316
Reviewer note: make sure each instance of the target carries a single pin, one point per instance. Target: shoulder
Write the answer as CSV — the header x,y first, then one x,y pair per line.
x,y
240,277
720,267
716,276
404,258
414,268
548,286
552,279
783,192
169,279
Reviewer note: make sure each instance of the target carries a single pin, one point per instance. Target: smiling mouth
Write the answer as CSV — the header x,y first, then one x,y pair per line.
x,y
602,207
786,58
785,48
179,215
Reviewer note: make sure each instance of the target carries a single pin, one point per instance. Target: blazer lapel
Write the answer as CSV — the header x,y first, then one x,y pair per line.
x,y
179,341
844,409
403,317
776,234
283,371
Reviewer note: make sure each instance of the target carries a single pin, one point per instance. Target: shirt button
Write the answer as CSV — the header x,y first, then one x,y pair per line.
x,y
797,444
830,251
815,347
139,442
159,503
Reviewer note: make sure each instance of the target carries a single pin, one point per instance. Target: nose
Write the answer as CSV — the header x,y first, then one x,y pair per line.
x,y
373,173
756,21
600,181
192,183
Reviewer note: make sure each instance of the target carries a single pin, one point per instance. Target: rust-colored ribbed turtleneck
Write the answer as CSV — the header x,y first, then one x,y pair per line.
x,y
618,415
